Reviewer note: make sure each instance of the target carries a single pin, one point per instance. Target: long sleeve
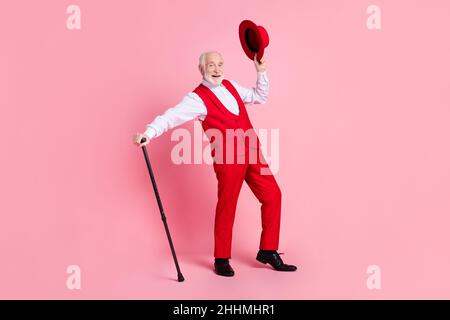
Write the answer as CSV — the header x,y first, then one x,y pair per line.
x,y
257,95
190,107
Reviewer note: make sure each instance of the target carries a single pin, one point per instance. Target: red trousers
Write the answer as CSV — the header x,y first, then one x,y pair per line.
x,y
230,178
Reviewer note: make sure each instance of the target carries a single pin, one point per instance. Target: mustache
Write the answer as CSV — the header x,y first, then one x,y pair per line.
x,y
214,76
213,79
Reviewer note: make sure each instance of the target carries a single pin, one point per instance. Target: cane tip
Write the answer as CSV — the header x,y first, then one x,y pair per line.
x,y
180,278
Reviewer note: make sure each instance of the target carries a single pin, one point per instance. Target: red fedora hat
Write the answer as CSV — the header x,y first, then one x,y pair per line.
x,y
254,39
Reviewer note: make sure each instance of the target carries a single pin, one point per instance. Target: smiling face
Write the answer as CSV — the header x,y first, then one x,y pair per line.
x,y
213,68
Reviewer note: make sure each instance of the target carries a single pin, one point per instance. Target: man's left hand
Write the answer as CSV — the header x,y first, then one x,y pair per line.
x,y
260,66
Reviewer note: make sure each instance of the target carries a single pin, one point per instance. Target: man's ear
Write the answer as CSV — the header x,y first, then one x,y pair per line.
x,y
200,69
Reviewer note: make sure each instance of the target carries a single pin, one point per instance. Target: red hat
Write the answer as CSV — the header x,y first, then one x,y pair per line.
x,y
254,39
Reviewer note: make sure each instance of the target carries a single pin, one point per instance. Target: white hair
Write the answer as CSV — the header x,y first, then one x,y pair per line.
x,y
202,60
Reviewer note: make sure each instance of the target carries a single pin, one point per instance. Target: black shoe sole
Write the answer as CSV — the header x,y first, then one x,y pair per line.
x,y
224,275
266,262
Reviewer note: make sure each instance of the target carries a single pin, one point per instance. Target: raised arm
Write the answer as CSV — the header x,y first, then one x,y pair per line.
x,y
260,93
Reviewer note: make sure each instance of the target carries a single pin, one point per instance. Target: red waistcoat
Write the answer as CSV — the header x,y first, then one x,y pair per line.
x,y
228,132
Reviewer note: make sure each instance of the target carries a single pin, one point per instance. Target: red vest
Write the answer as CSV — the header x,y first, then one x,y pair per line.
x,y
228,132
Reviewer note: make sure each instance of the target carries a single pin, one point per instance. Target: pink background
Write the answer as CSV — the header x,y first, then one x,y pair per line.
x,y
364,157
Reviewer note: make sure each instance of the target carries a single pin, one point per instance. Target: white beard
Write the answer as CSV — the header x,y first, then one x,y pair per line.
x,y
214,81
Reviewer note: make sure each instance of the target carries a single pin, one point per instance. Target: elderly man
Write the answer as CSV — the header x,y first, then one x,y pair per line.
x,y
220,105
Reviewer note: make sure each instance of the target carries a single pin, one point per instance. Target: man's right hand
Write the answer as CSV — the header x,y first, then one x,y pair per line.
x,y
138,138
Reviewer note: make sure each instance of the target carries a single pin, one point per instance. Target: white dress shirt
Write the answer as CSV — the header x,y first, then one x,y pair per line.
x,y
192,106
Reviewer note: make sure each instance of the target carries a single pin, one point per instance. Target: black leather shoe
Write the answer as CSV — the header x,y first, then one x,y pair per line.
x,y
222,268
273,258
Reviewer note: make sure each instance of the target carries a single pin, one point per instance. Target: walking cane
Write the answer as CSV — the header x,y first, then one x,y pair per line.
x,y
163,216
